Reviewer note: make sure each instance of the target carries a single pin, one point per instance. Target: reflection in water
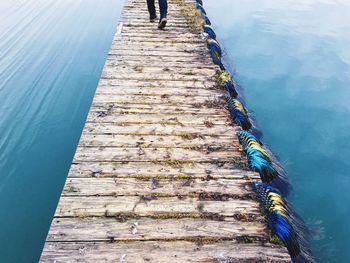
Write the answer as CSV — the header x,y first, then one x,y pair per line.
x,y
51,53
293,60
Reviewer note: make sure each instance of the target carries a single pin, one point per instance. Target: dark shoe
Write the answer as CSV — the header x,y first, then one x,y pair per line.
x,y
152,20
162,23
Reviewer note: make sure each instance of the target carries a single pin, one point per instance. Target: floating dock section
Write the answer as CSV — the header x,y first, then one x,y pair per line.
x,y
159,174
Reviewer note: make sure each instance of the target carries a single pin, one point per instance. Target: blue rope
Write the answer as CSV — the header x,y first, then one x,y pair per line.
x,y
200,7
230,87
206,19
259,160
280,219
214,46
239,113
216,59
210,31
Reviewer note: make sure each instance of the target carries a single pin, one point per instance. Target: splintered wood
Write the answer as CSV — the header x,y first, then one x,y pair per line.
x,y
158,175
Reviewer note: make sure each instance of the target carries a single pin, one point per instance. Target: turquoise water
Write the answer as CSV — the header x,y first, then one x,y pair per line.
x,y
293,60
52,54
291,57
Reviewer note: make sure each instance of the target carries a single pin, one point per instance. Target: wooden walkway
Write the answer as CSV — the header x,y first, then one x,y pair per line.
x,y
158,175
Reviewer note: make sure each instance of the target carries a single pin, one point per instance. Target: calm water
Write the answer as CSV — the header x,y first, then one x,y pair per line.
x,y
292,58
51,56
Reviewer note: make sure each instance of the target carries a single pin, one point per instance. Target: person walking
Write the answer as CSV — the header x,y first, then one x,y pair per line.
x,y
163,8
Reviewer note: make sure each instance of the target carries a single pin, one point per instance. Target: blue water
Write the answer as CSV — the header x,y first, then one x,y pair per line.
x,y
292,58
51,57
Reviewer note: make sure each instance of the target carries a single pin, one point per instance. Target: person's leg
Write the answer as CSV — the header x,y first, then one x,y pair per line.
x,y
163,7
151,9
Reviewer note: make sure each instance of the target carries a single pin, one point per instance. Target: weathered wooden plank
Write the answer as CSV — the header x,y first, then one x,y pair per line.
x,y
211,101
187,132
148,206
170,31
112,74
144,170
160,252
159,59
160,46
181,121
154,35
152,141
200,56
151,38
157,109
141,11
155,77
148,40
145,22
165,70
221,189
122,229
135,63
210,105
169,50
194,109
176,155
142,90
133,87
171,28
129,16
199,85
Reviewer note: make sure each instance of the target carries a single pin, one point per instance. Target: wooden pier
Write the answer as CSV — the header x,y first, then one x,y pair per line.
x,y
158,175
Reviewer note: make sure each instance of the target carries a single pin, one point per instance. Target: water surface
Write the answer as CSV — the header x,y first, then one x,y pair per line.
x,y
52,54
291,57
293,60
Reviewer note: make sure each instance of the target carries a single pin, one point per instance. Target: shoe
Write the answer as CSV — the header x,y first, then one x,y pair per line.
x,y
152,20
162,23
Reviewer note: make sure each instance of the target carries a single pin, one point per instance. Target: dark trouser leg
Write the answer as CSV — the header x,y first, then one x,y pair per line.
x,y
163,7
151,9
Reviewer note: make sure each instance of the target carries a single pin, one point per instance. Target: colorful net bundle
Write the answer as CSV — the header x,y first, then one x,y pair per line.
x,y
283,222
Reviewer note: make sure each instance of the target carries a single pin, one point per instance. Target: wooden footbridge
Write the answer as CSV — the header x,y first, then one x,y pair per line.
x,y
158,175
